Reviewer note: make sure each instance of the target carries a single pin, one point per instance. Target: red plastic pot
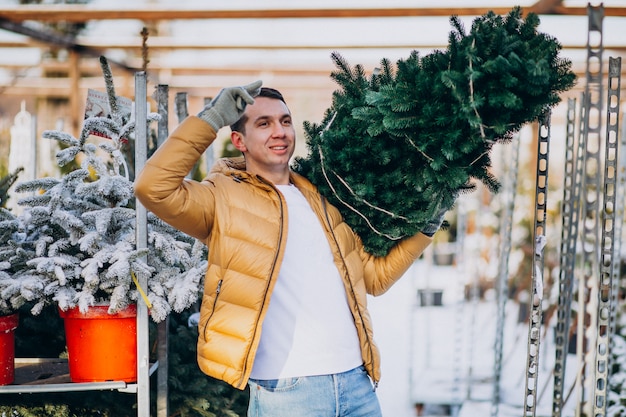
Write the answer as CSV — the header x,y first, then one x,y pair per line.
x,y
8,324
101,346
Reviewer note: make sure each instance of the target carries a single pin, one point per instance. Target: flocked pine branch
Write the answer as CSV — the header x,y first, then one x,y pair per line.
x,y
80,248
16,287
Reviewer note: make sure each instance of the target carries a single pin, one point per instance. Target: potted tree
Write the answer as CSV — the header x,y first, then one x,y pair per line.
x,y
10,278
85,258
9,317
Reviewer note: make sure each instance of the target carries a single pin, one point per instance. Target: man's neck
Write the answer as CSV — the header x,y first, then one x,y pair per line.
x,y
275,177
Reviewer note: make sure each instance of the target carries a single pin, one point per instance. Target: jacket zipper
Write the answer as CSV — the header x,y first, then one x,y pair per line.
x,y
269,281
356,304
218,289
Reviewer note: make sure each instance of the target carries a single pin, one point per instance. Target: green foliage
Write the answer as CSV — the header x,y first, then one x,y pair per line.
x,y
397,147
229,150
69,404
5,183
193,393
32,330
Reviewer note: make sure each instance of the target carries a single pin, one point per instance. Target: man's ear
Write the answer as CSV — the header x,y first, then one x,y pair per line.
x,y
237,139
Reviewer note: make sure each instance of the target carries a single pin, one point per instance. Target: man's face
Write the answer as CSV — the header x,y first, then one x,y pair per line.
x,y
269,139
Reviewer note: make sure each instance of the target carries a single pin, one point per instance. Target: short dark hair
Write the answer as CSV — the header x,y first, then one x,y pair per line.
x,y
239,125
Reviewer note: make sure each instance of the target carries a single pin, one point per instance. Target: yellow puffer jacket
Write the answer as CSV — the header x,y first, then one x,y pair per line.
x,y
243,220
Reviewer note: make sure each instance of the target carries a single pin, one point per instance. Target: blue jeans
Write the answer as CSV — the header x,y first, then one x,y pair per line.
x,y
348,394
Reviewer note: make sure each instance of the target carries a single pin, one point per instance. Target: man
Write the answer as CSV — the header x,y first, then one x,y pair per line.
x,y
284,305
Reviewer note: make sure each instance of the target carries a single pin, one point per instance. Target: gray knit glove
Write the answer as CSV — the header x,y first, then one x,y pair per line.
x,y
435,223
228,106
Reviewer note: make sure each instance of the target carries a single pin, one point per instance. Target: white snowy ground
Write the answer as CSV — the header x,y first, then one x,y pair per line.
x,y
430,353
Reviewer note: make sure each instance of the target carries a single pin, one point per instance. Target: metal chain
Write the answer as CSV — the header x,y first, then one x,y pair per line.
x,y
536,296
587,292
619,215
570,213
580,161
604,307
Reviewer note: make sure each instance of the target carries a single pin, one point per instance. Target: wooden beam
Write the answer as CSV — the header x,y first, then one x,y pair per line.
x,y
196,86
84,13
164,43
582,11
91,67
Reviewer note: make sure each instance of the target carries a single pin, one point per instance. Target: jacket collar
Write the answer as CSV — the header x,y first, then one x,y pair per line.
x,y
236,167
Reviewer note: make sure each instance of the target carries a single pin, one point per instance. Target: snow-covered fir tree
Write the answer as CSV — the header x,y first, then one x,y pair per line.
x,y
82,228
9,225
15,287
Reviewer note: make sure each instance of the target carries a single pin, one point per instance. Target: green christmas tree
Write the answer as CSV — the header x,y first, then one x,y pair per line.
x,y
396,147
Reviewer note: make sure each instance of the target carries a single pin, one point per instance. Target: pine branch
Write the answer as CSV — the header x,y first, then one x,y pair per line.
x,y
408,139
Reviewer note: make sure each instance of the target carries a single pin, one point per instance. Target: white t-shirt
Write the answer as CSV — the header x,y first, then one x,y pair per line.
x,y
308,329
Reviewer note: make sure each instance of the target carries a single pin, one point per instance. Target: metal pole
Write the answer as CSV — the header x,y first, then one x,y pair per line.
x,y
506,226
209,154
143,342
459,322
34,155
570,212
163,110
163,327
588,289
180,105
